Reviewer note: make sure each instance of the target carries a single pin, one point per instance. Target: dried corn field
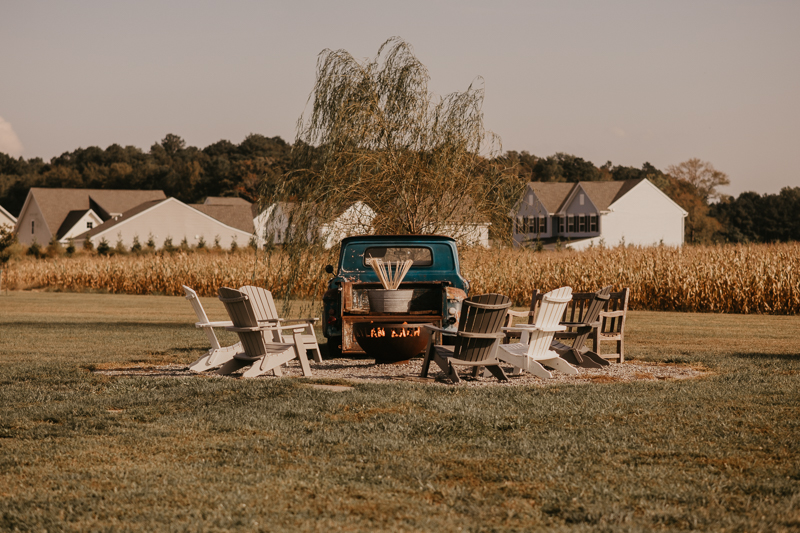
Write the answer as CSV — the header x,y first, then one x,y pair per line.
x,y
726,279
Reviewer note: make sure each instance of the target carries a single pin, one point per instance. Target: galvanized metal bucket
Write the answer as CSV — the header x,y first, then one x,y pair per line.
x,y
385,301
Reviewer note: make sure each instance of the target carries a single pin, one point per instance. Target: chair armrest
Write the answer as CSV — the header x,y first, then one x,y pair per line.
x,y
221,324
518,313
243,329
481,335
309,320
611,314
581,324
530,328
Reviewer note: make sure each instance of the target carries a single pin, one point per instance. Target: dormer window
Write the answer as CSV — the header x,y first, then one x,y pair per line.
x,y
89,225
581,198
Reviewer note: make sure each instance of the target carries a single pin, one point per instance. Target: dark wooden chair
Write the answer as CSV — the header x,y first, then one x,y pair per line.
x,y
580,323
261,352
612,325
476,340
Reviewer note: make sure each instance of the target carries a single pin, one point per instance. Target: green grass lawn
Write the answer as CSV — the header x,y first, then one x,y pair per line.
x,y
83,451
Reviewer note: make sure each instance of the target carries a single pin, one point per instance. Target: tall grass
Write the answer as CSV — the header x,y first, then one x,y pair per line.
x,y
762,278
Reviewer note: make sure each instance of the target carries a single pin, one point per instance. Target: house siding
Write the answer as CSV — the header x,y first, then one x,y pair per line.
x,y
172,219
41,233
644,216
530,207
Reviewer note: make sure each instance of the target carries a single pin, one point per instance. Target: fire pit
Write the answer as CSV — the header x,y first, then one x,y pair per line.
x,y
391,343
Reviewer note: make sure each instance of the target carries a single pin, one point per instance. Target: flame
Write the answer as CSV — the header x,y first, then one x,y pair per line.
x,y
393,333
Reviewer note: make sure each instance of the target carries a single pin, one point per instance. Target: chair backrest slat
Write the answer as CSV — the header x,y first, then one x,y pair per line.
x,y
201,316
553,307
480,314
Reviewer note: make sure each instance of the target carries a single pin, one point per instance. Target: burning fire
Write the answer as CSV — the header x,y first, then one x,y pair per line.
x,y
394,333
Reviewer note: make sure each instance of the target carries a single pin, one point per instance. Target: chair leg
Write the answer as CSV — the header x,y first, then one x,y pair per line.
x,y
426,363
620,350
497,372
559,364
588,354
232,366
451,373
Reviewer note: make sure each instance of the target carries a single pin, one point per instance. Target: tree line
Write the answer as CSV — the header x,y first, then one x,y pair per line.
x,y
226,169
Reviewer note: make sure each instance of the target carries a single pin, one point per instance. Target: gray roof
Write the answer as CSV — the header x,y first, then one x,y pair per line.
x,y
238,215
602,193
120,219
59,204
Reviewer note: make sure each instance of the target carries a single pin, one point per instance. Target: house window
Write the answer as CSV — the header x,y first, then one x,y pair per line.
x,y
581,198
561,223
89,225
581,223
543,224
593,223
570,224
33,227
520,225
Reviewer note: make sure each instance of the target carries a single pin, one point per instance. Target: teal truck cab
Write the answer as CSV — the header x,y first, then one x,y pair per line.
x,y
434,277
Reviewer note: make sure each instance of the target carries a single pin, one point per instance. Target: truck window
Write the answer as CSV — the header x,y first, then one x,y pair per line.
x,y
421,256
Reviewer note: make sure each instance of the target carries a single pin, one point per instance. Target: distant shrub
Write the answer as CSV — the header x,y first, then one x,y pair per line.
x,y
168,246
136,247
35,250
103,248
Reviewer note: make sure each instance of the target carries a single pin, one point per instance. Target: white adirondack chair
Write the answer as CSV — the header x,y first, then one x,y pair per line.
x,y
260,352
217,355
534,348
265,310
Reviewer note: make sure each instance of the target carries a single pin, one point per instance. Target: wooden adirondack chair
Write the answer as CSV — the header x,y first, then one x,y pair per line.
x,y
612,325
476,340
303,330
535,346
260,350
579,329
217,355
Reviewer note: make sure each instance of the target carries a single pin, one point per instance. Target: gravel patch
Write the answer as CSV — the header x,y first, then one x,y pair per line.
x,y
365,370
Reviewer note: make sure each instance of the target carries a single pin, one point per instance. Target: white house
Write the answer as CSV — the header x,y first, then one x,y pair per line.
x,y
67,213
590,212
165,219
273,222
355,220
7,219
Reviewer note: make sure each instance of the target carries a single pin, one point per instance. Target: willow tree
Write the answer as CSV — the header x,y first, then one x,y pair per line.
x,y
374,133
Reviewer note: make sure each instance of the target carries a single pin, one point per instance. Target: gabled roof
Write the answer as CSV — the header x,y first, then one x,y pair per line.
x,y
57,204
72,218
553,195
146,206
605,193
11,217
127,215
238,215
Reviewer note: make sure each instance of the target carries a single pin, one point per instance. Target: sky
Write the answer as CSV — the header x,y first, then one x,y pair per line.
x,y
615,80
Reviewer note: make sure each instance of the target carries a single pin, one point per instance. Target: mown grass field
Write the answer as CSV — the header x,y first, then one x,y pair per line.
x,y
82,451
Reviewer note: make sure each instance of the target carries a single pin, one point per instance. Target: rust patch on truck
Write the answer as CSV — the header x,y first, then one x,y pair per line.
x,y
455,294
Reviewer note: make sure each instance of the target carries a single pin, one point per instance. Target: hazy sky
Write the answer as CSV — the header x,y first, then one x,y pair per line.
x,y
625,81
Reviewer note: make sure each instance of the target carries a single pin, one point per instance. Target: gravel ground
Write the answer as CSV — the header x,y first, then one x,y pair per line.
x,y
361,370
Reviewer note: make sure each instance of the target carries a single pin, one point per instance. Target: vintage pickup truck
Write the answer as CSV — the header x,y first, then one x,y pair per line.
x,y
434,277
